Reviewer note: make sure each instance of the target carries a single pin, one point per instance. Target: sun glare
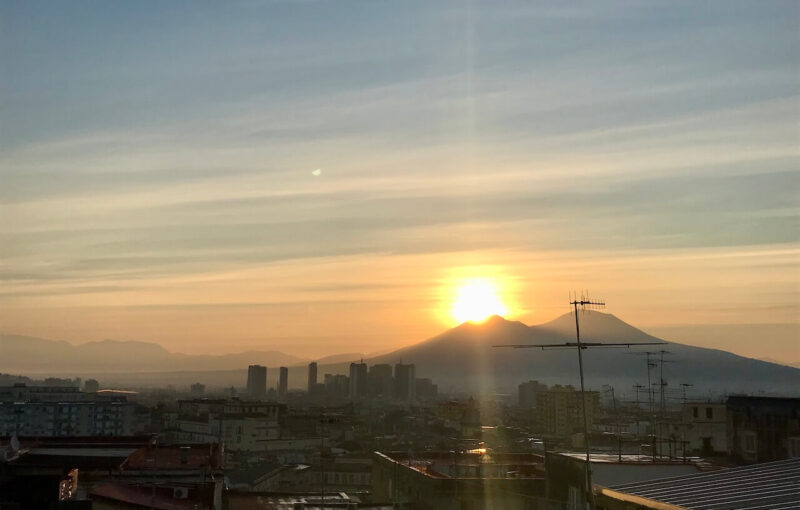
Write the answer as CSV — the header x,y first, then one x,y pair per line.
x,y
477,300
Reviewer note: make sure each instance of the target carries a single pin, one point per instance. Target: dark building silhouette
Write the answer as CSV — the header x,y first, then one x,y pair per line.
x,y
358,380
257,381
425,389
337,385
381,382
312,377
763,429
91,386
283,382
405,378
527,393
197,389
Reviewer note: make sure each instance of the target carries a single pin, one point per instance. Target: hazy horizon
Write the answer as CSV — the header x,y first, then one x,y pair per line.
x,y
772,338
333,179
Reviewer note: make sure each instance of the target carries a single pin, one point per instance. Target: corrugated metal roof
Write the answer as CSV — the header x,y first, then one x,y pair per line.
x,y
771,485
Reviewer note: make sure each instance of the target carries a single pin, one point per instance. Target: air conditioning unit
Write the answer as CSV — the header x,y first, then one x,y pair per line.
x,y
180,493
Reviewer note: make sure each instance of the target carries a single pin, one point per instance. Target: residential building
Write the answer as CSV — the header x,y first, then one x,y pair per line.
x,y
559,409
405,378
256,381
705,428
763,429
91,386
527,393
358,381
21,392
381,382
57,411
312,377
283,383
243,426
425,389
337,385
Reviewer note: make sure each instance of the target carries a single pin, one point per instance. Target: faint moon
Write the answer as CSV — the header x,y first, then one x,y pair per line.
x,y
317,172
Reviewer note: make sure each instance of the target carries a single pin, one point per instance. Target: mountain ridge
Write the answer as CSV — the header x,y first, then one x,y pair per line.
x,y
20,353
461,358
468,349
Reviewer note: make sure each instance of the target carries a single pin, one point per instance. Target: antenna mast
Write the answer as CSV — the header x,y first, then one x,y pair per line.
x,y
583,303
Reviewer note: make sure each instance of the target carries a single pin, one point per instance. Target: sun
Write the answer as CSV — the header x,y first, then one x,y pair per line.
x,y
477,300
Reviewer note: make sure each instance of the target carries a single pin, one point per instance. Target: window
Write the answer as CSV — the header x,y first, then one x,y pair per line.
x,y
709,412
750,443
694,412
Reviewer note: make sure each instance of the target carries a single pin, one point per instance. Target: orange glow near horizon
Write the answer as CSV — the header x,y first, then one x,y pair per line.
x,y
478,299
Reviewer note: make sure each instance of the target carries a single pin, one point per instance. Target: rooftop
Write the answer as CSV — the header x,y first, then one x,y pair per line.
x,y
472,464
613,458
141,496
171,457
771,485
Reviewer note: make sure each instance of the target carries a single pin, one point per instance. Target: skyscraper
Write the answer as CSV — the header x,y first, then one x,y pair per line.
x,y
381,381
312,377
405,379
256,381
358,380
283,383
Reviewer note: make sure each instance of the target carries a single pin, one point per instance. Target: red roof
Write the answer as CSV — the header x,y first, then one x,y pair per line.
x,y
143,496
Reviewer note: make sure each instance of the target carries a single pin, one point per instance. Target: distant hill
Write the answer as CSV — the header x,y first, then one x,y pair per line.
x,y
23,354
463,358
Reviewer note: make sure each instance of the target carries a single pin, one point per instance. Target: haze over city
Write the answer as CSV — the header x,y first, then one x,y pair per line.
x,y
340,255
302,177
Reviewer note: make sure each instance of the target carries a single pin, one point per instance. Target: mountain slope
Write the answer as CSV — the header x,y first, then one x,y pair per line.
x,y
464,358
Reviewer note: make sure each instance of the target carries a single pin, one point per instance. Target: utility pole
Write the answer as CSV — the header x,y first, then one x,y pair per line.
x,y
638,387
321,460
580,345
650,365
685,425
616,422
584,302
662,389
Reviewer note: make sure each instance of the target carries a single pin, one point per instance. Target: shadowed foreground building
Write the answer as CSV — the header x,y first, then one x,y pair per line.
x,y
763,429
453,481
109,472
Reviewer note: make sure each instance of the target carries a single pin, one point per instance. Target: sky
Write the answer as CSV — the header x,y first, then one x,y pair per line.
x,y
320,177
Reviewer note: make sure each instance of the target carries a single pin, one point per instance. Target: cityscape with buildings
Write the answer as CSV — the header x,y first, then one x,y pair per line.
x,y
381,437
384,255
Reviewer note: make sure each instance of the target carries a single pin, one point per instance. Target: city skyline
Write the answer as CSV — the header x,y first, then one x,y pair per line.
x,y
299,176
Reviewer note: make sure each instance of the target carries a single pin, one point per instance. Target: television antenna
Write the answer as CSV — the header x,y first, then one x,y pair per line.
x,y
584,303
